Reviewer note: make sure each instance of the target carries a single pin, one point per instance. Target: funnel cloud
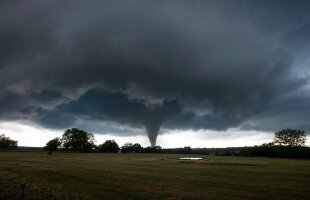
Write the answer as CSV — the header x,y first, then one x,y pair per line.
x,y
141,66
152,130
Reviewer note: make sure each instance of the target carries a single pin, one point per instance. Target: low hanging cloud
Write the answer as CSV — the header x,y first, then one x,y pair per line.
x,y
177,64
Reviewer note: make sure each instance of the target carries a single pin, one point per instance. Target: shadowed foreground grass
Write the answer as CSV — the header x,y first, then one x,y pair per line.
x,y
151,176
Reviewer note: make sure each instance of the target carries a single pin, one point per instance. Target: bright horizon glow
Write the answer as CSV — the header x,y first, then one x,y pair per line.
x,y
28,135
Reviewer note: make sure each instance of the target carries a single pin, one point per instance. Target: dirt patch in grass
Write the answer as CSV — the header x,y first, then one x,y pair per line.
x,y
233,164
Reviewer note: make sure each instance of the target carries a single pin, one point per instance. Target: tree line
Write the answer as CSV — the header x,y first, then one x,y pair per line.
x,y
76,140
287,143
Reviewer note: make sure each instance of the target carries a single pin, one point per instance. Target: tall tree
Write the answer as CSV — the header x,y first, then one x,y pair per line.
x,y
52,145
137,148
109,146
132,148
77,140
7,143
127,147
290,137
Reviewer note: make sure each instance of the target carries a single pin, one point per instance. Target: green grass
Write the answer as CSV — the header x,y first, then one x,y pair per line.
x,y
151,176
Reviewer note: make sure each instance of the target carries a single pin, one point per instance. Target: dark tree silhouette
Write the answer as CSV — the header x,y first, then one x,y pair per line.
x,y
187,150
150,149
52,145
109,146
77,140
7,143
137,148
131,148
290,137
127,147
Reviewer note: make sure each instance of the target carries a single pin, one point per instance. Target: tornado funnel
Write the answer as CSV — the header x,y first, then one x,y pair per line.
x,y
152,129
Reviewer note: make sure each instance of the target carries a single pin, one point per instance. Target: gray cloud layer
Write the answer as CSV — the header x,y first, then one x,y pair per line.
x,y
180,64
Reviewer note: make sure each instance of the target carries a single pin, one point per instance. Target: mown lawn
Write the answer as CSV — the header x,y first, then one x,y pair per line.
x,y
150,176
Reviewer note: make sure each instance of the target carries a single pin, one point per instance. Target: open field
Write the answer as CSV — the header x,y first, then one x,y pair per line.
x,y
151,176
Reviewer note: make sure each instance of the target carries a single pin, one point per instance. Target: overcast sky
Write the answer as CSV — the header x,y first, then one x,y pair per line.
x,y
199,73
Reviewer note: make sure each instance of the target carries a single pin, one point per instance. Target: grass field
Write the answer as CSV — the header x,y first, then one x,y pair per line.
x,y
151,176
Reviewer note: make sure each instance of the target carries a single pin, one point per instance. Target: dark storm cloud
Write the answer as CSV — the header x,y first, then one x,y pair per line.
x,y
177,64
24,31
96,104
